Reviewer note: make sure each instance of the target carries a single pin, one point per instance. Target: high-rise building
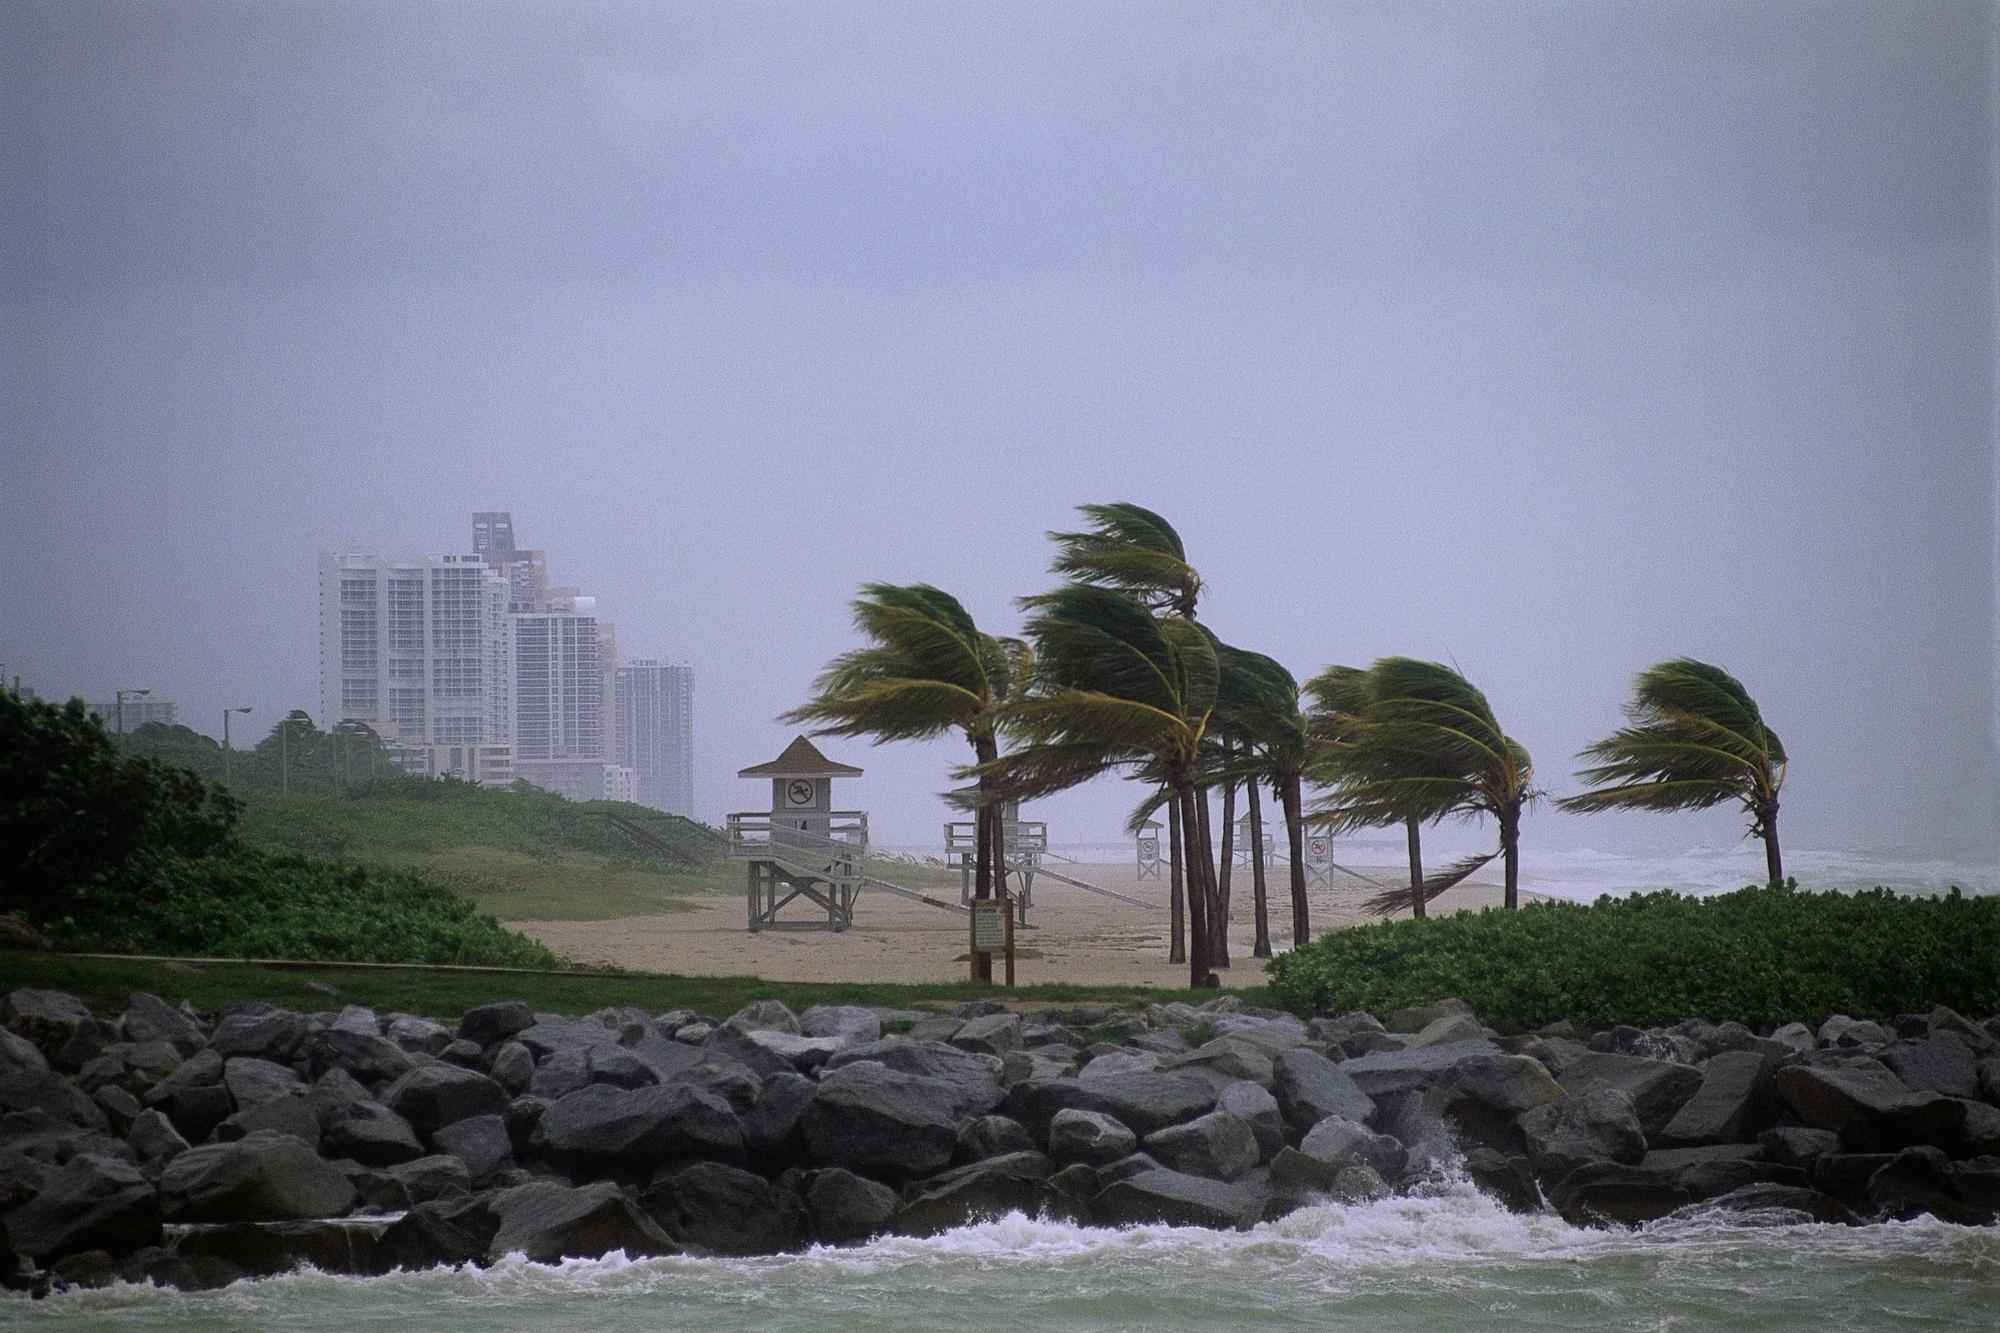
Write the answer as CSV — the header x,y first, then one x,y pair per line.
x,y
656,732
139,710
472,650
416,640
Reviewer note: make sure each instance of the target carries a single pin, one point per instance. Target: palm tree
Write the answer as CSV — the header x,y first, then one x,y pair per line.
x,y
1425,746
1695,739
1114,688
928,670
1340,696
1260,705
1130,550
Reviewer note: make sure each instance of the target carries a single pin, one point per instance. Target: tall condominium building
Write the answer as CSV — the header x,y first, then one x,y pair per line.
x,y
656,732
416,640
139,710
470,650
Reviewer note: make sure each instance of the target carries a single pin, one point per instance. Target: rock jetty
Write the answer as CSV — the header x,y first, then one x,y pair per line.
x,y
188,1149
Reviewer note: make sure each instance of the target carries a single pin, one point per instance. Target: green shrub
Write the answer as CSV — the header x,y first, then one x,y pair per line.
x,y
1759,955
246,903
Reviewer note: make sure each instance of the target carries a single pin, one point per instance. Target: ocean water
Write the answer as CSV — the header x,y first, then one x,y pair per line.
x,y
1445,1258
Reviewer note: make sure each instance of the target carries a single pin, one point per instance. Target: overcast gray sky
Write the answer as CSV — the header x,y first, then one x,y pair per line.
x,y
1548,339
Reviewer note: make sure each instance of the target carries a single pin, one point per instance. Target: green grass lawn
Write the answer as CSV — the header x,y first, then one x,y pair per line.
x,y
107,984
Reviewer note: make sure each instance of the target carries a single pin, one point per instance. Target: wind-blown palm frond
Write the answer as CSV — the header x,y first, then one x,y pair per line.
x,y
1693,738
1395,900
1413,742
1132,550
928,670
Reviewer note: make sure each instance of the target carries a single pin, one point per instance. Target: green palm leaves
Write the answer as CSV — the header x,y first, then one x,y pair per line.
x,y
1114,687
1131,550
927,670
1415,741
1694,738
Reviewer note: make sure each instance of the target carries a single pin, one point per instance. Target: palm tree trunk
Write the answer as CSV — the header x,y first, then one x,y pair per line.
x,y
1774,860
1293,798
1416,840
1260,907
984,821
1205,830
1218,917
1198,873
1176,895
1510,847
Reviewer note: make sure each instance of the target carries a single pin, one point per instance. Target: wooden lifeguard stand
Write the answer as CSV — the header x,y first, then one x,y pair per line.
x,y
1148,844
803,848
1026,840
1243,841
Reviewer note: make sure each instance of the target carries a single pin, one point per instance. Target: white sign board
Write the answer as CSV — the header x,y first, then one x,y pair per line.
x,y
989,925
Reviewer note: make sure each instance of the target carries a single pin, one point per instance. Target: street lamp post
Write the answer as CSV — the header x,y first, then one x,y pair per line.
x,y
118,707
226,756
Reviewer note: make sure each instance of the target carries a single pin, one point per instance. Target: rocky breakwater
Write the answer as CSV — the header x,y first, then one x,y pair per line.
x,y
192,1149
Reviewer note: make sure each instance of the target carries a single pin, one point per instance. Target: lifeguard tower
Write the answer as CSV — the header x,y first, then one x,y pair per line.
x,y
1026,842
1150,860
1244,841
803,848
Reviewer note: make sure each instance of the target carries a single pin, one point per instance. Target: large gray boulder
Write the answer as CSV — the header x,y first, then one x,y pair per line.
x,y
263,1178
851,1023
1309,1088
283,1115
844,1209
481,1142
91,1203
1217,1145
764,1016
29,1084
549,1222
990,1136
252,1081
725,1210
1942,1063
1840,1030
1336,1142
1089,1136
495,1022
610,1127
1418,1017
993,1034
1257,1108
1223,1061
1658,1088
435,1095
1736,1101
1176,1199
1144,1102
372,1140
1508,1085
150,1018
872,1119
419,1036
1868,1106
1389,1073
981,1191
271,1034
153,1137
1598,1126
771,1127
55,1021
359,1049
972,1077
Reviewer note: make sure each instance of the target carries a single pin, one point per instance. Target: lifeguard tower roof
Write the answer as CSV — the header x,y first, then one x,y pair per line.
x,y
801,759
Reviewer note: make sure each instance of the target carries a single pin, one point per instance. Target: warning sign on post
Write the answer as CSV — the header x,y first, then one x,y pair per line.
x,y
798,791
989,925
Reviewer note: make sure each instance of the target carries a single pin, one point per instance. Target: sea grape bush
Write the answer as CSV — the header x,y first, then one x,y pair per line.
x,y
247,903
1761,955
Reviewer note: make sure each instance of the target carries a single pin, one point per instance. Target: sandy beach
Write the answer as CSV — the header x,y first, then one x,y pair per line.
x,y
1077,936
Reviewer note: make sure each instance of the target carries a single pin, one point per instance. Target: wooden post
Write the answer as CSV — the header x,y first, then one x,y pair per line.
x,y
1010,950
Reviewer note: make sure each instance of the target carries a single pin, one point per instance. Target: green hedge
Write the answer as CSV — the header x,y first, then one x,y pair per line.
x,y
1759,955
246,903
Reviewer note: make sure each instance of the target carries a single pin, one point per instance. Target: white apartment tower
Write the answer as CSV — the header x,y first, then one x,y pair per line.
x,y
469,650
416,640
656,732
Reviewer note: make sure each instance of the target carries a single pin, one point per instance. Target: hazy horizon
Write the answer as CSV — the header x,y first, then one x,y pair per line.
x,y
1548,342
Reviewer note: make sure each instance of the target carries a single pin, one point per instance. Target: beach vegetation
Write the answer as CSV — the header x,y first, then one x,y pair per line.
x,y
1761,955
